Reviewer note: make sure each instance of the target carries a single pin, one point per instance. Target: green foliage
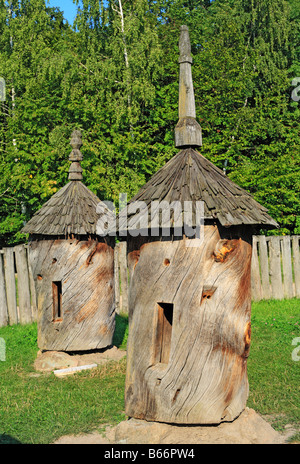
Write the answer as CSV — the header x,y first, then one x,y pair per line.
x,y
115,77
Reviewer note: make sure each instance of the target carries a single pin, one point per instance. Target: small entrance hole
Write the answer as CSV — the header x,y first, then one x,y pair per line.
x,y
164,332
57,301
207,293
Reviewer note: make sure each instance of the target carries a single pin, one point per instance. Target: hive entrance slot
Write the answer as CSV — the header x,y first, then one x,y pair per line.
x,y
57,301
164,332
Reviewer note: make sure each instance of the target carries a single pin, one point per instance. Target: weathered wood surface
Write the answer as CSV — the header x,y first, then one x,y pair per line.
x,y
10,282
296,264
275,267
117,278
25,314
123,277
86,272
256,288
3,300
188,130
264,267
287,267
205,378
32,290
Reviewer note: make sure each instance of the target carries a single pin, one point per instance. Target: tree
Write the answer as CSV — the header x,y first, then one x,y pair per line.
x,y
114,75
31,34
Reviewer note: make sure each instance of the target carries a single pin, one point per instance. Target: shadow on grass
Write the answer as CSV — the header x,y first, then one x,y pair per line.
x,y
121,331
8,440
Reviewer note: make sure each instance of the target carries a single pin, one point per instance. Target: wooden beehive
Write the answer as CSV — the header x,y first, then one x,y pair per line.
x,y
73,267
190,306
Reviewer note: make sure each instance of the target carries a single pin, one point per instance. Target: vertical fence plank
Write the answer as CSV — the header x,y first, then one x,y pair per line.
x,y
23,285
264,267
287,267
275,268
32,289
117,278
296,264
123,277
3,301
10,280
256,289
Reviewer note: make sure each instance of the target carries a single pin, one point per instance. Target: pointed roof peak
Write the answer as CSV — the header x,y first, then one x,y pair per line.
x,y
188,131
75,171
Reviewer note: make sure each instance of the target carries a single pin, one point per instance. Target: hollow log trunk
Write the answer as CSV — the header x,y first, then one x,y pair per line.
x,y
75,293
189,328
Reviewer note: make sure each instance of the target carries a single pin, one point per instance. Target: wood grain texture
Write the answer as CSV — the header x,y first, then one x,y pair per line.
x,y
275,268
205,380
23,285
86,272
296,264
32,291
264,266
10,280
3,300
256,288
117,278
123,276
287,267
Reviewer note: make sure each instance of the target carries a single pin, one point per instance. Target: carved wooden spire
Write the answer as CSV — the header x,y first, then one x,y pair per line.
x,y
75,171
188,130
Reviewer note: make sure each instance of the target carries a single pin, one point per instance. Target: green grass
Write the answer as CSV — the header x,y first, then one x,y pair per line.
x,y
121,331
44,408
274,377
41,409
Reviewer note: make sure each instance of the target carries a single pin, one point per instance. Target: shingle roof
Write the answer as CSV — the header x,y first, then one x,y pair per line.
x,y
74,209
188,176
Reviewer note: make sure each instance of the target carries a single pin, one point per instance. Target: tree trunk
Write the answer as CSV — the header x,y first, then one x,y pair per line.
x,y
189,329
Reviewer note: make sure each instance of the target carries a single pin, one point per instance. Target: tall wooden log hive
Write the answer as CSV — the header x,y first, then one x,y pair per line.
x,y
189,306
73,268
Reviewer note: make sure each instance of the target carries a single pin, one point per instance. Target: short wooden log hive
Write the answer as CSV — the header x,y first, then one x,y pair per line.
x,y
73,267
190,306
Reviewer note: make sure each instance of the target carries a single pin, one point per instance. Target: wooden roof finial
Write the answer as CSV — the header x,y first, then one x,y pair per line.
x,y
75,171
188,131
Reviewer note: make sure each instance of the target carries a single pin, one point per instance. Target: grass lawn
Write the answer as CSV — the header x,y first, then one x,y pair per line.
x,y
274,376
40,409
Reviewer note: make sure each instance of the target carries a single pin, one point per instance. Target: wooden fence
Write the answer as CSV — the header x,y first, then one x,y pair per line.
x,y
17,289
275,275
275,267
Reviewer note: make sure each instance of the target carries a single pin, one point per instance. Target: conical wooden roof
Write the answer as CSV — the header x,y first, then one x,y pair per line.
x,y
74,209
188,176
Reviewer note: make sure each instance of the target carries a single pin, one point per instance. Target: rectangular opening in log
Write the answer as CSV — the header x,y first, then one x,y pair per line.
x,y
163,332
57,301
